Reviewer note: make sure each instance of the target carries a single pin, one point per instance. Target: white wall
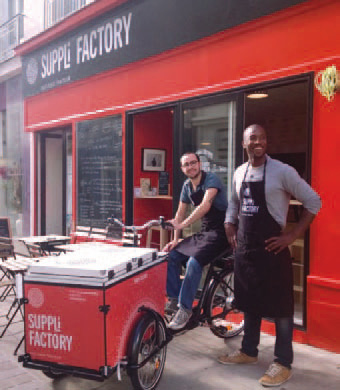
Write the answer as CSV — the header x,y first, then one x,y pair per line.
x,y
33,18
3,11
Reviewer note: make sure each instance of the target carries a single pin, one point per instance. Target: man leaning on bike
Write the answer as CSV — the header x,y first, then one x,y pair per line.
x,y
205,191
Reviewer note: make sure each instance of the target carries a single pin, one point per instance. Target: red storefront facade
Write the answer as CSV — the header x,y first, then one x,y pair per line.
x,y
152,96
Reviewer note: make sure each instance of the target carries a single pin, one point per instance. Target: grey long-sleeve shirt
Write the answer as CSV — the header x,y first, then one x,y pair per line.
x,y
282,182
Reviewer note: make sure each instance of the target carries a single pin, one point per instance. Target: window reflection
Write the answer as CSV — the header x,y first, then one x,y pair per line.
x,y
210,131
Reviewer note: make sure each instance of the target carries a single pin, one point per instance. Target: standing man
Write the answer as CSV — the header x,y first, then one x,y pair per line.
x,y
254,225
206,192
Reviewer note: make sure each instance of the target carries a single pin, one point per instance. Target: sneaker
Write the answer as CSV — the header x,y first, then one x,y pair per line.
x,y
237,357
171,306
275,375
181,318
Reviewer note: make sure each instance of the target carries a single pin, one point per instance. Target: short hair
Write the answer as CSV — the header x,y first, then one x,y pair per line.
x,y
187,153
256,126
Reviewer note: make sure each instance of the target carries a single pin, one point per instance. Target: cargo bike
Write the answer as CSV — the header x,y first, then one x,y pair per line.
x,y
100,309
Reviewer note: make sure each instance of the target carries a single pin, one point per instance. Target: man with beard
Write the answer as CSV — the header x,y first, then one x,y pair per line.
x,y
205,191
255,220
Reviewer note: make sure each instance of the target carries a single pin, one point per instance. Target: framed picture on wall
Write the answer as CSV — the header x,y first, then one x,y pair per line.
x,y
153,160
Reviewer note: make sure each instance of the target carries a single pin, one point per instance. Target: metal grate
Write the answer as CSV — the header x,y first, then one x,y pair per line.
x,y
57,10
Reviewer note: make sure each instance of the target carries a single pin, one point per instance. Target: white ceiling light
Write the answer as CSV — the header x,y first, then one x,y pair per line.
x,y
257,95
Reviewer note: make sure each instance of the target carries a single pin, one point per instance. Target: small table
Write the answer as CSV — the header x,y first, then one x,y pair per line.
x,y
46,243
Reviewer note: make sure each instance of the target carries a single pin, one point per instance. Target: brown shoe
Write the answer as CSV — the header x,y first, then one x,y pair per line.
x,y
275,375
237,357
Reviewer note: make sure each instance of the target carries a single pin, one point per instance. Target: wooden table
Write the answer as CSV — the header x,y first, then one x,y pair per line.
x,y
46,243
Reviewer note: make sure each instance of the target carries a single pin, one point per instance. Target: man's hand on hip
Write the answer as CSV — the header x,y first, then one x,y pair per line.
x,y
277,244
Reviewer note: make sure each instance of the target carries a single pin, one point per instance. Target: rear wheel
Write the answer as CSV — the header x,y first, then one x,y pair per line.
x,y
148,335
225,321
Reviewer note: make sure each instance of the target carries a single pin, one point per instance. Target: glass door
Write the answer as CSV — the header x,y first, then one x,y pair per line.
x,y
209,129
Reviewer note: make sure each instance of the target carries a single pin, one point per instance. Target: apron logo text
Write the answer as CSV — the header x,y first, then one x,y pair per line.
x,y
249,207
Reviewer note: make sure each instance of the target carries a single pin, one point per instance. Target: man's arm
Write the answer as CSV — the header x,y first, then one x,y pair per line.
x,y
179,217
277,244
311,202
199,212
230,223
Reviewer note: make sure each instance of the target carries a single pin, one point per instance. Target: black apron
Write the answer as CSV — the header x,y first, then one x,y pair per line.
x,y
211,241
263,280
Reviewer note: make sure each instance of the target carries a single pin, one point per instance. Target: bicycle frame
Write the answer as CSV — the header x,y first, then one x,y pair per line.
x,y
200,311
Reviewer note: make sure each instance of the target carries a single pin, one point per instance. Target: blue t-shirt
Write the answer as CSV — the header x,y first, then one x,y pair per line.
x,y
211,181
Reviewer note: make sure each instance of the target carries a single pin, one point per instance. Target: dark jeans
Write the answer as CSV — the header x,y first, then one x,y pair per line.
x,y
284,337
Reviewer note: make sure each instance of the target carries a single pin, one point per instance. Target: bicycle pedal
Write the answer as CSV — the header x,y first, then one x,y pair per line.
x,y
222,324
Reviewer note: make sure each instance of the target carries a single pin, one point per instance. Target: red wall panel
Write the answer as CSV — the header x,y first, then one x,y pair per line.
x,y
153,129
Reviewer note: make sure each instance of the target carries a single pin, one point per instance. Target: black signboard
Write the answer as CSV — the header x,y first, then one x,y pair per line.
x,y
163,183
133,31
99,166
5,230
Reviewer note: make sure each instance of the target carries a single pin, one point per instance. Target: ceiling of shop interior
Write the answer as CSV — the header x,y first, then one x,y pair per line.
x,y
288,100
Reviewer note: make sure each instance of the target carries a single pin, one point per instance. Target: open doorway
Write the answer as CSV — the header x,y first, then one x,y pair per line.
x,y
54,182
284,112
152,165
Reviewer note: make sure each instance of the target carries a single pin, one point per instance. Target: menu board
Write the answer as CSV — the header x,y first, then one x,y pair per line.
x,y
163,183
5,230
99,167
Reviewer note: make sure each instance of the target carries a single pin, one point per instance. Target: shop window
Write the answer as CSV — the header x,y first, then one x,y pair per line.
x,y
284,114
68,183
99,170
209,131
14,161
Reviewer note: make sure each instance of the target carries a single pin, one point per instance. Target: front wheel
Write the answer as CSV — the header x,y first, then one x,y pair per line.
x,y
224,320
148,335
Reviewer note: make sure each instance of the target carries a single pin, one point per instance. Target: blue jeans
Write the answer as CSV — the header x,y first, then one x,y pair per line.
x,y
183,291
283,343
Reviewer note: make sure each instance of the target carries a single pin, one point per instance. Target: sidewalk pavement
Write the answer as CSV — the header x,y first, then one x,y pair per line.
x,y
190,364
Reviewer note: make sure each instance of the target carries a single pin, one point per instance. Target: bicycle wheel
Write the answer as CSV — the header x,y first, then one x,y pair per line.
x,y
225,321
143,345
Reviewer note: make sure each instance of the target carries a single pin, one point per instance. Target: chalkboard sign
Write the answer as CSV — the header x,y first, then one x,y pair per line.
x,y
5,230
99,166
163,183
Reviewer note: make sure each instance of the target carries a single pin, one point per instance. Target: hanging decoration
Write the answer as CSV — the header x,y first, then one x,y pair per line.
x,y
328,82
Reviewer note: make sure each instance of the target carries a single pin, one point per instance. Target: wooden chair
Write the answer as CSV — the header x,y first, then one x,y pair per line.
x,y
98,234
163,237
81,234
22,255
129,238
16,268
6,252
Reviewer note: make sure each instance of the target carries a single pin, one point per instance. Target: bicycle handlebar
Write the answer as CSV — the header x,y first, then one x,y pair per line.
x,y
153,222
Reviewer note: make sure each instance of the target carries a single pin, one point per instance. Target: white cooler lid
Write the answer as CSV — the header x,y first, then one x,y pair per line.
x,y
94,261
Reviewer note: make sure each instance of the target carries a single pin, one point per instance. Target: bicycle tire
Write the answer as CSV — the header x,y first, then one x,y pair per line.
x,y
225,322
142,345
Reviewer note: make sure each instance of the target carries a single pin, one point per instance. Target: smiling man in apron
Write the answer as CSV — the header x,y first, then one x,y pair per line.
x,y
255,220
205,191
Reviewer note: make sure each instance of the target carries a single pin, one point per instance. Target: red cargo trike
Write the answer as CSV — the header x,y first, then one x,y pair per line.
x,y
99,309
